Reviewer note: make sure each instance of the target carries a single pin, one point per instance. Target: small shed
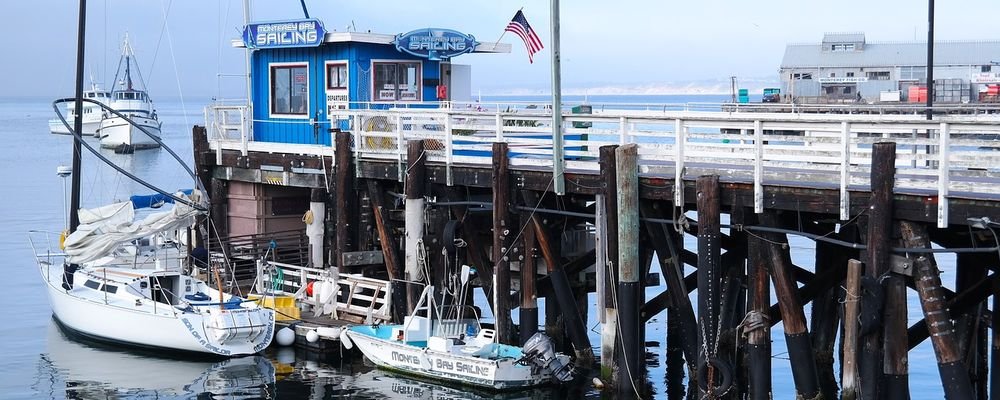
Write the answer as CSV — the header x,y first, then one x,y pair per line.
x,y
300,74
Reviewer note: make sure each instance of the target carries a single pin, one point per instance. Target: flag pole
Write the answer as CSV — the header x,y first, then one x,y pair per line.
x,y
558,184
504,31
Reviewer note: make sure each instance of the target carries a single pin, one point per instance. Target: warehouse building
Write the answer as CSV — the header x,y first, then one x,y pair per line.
x,y
845,68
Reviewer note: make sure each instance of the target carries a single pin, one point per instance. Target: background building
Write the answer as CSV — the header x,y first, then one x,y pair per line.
x,y
846,68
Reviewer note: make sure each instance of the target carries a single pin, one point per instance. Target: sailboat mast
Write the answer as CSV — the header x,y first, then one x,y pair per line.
x,y
74,202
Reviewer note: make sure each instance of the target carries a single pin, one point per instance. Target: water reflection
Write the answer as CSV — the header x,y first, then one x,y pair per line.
x,y
75,368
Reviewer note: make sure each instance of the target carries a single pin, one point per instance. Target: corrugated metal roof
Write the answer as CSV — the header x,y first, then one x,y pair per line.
x,y
893,54
844,37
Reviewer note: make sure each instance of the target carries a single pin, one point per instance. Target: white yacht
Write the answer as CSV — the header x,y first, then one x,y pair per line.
x,y
129,98
92,113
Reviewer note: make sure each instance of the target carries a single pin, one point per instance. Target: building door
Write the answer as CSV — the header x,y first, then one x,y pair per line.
x,y
445,81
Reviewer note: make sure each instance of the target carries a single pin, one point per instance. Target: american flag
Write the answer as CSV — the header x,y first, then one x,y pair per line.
x,y
519,26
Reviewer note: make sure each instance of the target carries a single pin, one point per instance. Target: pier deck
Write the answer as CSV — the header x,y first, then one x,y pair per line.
x,y
877,188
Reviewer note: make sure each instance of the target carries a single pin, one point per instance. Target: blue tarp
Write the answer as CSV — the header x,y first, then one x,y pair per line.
x,y
153,200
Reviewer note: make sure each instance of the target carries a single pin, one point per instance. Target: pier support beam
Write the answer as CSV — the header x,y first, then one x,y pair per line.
x,y
969,329
712,369
758,328
414,218
629,380
575,327
800,351
390,252
609,200
825,313
502,242
883,174
343,183
895,362
852,308
927,277
995,344
528,317
667,245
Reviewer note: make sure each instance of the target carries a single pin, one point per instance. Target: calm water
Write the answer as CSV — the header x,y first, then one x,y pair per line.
x,y
39,361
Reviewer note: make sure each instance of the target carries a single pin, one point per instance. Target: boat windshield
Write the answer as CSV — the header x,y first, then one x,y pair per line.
x,y
130,95
457,320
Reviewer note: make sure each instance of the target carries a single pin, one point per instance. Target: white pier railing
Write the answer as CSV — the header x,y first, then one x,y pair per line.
x,y
951,156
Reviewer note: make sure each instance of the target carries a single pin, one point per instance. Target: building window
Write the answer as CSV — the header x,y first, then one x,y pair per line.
x,y
833,74
912,73
842,47
850,74
290,89
878,75
396,81
802,76
336,76
986,68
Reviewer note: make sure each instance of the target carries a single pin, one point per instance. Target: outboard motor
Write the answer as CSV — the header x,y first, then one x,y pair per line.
x,y
538,350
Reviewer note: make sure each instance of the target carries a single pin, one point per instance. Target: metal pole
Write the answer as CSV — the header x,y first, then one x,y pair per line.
x,y
930,59
246,21
74,202
558,184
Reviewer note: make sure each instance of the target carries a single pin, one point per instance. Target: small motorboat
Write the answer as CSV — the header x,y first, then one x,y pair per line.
x,y
458,351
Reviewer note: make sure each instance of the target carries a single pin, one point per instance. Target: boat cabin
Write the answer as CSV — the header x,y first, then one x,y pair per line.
x,y
301,74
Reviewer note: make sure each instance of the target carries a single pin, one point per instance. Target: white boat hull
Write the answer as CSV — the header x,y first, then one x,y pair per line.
x,y
116,132
89,127
458,369
146,325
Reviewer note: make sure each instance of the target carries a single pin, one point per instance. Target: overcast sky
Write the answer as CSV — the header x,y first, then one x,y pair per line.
x,y
625,42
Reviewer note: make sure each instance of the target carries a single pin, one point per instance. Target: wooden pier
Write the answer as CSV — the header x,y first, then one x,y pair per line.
x,y
430,190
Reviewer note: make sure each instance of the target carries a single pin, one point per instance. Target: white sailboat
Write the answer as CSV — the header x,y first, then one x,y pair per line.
x,y
92,113
458,351
123,281
120,279
129,97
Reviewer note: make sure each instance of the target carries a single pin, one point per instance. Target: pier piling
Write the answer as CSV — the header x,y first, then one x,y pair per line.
x,y
926,277
414,217
528,314
715,375
757,326
343,185
609,327
630,372
503,235
800,351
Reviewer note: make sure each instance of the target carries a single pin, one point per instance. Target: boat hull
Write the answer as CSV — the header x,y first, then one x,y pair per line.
x,y
89,127
459,369
115,132
166,328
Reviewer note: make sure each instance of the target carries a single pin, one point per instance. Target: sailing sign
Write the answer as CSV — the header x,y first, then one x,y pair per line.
x,y
282,34
435,44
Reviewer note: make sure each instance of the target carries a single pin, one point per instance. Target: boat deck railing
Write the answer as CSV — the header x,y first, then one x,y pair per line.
x,y
950,156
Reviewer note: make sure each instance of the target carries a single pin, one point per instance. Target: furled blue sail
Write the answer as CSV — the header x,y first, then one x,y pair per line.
x,y
154,200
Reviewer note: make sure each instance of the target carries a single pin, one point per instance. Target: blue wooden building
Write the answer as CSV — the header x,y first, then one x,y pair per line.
x,y
300,73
